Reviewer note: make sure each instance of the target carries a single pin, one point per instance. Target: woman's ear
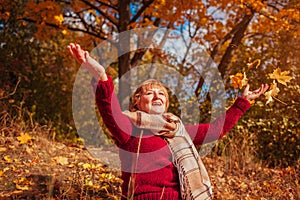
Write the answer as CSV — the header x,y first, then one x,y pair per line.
x,y
136,101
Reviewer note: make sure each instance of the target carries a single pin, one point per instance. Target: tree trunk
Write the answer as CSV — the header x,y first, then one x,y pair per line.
x,y
124,53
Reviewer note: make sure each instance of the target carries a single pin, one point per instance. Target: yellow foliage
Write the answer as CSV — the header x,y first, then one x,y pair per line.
x,y
59,18
61,160
239,80
7,159
273,91
281,77
24,138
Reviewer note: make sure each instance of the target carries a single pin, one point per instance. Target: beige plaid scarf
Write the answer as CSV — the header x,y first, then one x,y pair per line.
x,y
193,177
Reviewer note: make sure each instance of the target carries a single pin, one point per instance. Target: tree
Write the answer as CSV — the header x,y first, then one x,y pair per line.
x,y
220,26
233,32
34,78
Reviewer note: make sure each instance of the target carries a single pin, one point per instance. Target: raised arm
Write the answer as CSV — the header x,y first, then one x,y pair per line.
x,y
87,62
205,133
118,124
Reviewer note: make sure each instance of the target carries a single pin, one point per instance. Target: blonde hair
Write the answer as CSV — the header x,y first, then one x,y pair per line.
x,y
148,84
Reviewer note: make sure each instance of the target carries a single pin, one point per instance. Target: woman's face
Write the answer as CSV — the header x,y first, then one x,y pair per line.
x,y
153,101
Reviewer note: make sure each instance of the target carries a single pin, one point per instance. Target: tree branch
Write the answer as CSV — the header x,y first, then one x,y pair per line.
x,y
112,20
141,10
236,34
108,5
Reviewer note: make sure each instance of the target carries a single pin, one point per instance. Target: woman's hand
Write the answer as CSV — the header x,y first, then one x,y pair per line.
x,y
87,61
78,54
252,95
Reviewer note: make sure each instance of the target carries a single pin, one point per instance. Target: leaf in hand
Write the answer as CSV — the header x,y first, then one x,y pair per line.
x,y
239,80
274,90
281,77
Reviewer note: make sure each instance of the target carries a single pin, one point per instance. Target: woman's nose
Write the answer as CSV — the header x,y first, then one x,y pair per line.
x,y
156,95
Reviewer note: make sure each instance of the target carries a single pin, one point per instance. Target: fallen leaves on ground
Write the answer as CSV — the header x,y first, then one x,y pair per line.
x,y
44,169
40,168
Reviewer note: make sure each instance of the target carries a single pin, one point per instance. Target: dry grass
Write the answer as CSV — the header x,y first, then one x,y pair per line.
x,y
41,168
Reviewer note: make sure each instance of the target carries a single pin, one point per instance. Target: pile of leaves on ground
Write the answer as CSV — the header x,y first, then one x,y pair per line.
x,y
33,166
254,182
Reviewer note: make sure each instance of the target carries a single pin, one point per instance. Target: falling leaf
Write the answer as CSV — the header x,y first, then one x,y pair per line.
x,y
273,91
24,138
239,80
281,77
61,160
255,63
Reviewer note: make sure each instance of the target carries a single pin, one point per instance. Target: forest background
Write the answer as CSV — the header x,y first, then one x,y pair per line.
x,y
255,41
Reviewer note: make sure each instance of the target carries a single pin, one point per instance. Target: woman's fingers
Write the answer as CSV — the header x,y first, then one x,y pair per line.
x,y
77,53
251,95
170,126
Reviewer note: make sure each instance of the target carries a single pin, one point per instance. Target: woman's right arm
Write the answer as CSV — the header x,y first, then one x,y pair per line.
x,y
118,124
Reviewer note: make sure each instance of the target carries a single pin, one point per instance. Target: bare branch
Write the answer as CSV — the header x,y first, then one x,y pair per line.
x,y
141,10
108,5
109,18
14,91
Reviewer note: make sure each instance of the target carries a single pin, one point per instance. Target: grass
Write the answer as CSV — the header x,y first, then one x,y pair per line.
x,y
41,168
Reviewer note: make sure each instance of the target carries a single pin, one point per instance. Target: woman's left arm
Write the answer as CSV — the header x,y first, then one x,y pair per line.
x,y
205,133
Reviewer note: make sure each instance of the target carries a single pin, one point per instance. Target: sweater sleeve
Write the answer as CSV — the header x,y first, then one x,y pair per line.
x,y
205,133
117,123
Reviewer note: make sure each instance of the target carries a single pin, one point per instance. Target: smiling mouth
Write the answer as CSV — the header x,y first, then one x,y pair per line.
x,y
156,104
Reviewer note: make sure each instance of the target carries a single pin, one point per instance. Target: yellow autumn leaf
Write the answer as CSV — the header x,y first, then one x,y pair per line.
x,y
1,173
281,77
3,149
7,159
86,166
61,160
23,183
65,32
19,187
239,80
59,18
5,169
24,138
89,182
273,91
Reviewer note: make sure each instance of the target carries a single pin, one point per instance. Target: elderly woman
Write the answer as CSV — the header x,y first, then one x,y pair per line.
x,y
158,156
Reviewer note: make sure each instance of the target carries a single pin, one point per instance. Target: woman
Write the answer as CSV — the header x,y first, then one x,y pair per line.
x,y
158,156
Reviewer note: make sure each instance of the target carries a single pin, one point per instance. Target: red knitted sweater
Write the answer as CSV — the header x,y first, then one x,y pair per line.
x,y
154,175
